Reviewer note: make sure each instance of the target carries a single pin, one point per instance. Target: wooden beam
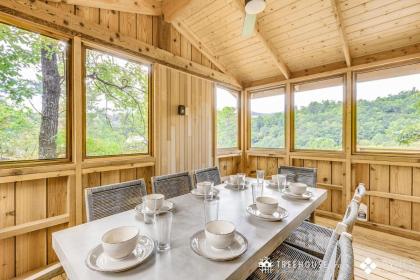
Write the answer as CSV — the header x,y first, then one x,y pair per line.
x,y
196,42
343,38
146,7
54,19
171,9
239,5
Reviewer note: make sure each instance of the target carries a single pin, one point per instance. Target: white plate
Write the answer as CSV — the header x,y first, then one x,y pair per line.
x,y
280,214
232,187
195,192
307,195
201,247
167,206
97,260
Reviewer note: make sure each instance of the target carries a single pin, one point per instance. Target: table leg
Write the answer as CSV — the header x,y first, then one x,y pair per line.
x,y
312,217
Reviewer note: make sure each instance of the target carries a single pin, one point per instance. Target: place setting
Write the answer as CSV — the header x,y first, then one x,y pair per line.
x,y
204,189
219,240
152,204
236,182
265,207
296,190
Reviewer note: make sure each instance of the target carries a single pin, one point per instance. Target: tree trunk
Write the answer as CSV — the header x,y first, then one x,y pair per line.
x,y
50,104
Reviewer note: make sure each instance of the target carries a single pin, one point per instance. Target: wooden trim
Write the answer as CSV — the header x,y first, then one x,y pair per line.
x,y
341,32
266,153
35,176
116,167
43,273
145,7
238,154
173,8
394,196
330,186
53,18
324,157
16,171
33,226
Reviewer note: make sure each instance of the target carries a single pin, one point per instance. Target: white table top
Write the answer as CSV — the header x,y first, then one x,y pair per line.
x,y
72,245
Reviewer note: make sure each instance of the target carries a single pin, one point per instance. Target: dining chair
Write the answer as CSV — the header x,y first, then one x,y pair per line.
x,y
211,174
299,174
288,262
111,199
313,238
172,185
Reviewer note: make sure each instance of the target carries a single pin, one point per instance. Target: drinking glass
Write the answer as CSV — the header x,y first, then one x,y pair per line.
x,y
211,209
210,193
163,226
281,182
241,180
260,180
148,213
254,192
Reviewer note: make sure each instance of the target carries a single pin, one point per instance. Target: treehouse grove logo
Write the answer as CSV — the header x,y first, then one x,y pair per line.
x,y
368,266
266,265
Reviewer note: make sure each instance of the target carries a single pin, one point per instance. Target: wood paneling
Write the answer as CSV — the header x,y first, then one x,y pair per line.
x,y
188,137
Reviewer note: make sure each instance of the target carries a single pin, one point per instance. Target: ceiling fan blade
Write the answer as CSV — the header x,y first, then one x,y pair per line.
x,y
249,25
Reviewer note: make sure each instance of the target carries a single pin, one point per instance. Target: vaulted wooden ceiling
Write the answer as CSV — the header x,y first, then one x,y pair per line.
x,y
291,35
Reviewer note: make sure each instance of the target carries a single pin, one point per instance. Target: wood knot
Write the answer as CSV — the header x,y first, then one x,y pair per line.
x,y
81,24
147,49
140,50
111,39
65,22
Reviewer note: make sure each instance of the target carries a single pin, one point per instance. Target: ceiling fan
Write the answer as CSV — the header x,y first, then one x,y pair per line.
x,y
252,8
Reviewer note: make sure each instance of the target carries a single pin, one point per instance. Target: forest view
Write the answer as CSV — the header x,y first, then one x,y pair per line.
x,y
33,99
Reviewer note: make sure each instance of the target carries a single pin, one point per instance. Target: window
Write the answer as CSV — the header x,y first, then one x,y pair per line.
x,y
318,115
227,118
117,105
388,109
267,118
33,95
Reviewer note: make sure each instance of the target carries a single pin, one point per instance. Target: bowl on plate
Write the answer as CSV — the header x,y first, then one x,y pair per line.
x,y
267,204
153,201
119,242
204,187
220,233
298,188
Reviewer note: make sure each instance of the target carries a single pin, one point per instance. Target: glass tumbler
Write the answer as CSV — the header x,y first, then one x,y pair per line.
x,y
281,182
260,180
254,192
241,180
148,213
211,209
163,227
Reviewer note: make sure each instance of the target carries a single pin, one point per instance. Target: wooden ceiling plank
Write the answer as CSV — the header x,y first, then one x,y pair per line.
x,y
172,9
195,41
270,49
147,7
339,20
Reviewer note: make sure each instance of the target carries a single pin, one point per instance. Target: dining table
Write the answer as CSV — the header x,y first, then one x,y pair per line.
x,y
72,245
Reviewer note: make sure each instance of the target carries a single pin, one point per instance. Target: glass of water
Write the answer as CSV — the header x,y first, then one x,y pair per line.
x,y
163,227
211,209
241,180
260,180
254,192
281,182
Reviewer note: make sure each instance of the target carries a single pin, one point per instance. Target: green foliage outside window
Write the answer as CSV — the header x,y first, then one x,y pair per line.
x,y
227,119
33,95
117,105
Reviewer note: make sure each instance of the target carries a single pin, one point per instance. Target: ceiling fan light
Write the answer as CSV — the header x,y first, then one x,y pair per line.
x,y
253,7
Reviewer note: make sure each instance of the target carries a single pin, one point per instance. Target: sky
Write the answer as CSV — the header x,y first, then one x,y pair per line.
x,y
369,90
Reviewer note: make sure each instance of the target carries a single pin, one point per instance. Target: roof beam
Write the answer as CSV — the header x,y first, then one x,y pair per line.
x,y
173,8
146,7
270,48
343,38
196,42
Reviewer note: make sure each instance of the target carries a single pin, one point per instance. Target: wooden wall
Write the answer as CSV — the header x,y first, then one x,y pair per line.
x,y
183,143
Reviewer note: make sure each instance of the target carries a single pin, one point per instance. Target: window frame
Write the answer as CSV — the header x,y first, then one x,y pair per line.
x,y
230,150
56,35
375,152
249,123
343,120
110,51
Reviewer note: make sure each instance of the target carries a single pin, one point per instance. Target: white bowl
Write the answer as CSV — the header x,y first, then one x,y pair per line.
x,y
153,201
120,242
267,204
204,187
298,188
220,233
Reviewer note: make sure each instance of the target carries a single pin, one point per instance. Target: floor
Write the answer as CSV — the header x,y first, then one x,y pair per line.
x,y
392,257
